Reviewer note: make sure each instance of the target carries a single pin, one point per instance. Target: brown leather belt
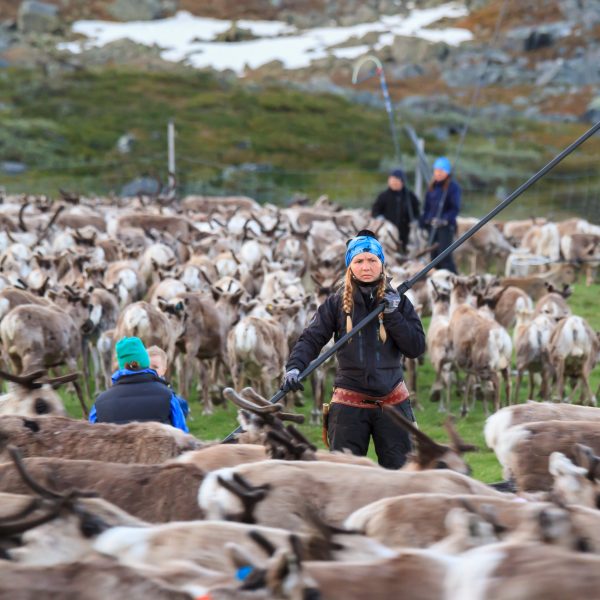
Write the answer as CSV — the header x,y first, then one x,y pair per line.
x,y
396,396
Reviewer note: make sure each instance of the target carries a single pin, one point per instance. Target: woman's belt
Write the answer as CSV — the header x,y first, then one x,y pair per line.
x,y
351,398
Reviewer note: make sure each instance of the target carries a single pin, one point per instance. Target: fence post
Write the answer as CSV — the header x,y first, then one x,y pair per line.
x,y
171,154
418,174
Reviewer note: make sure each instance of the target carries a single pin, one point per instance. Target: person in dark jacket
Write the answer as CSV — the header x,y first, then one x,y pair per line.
x,y
138,393
398,205
442,204
369,372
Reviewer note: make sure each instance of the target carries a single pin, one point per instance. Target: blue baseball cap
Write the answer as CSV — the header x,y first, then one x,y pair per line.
x,y
443,163
364,243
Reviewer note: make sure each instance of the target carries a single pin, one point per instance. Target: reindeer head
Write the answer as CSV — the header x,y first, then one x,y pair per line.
x,y
431,455
576,484
58,527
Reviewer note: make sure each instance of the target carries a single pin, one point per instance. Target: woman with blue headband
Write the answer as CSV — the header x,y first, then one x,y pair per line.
x,y
442,203
369,371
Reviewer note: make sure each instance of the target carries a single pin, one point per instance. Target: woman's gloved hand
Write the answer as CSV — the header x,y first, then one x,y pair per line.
x,y
291,381
391,299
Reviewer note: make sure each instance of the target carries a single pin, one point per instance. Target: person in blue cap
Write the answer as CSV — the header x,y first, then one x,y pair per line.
x,y
369,370
398,205
442,205
137,393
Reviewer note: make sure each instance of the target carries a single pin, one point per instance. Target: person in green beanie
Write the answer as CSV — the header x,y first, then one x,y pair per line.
x,y
137,393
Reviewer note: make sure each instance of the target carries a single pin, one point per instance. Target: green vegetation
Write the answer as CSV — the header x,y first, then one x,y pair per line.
x,y
484,464
65,129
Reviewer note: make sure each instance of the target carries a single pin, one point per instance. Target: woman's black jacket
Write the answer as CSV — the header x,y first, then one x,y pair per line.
x,y
365,363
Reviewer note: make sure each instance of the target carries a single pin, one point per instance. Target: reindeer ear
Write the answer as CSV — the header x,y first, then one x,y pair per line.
x,y
457,443
427,451
585,457
239,556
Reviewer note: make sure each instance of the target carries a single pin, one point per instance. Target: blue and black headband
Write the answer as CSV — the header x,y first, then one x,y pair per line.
x,y
364,243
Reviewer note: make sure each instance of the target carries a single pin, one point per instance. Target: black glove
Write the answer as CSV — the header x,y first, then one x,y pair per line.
x,y
391,298
291,381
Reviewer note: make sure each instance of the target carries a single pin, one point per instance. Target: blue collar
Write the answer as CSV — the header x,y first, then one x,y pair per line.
x,y
125,372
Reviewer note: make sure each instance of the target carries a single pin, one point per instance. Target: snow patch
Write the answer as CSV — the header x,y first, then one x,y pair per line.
x,y
187,38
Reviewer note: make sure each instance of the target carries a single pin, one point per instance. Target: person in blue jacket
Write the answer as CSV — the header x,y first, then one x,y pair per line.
x,y
137,393
442,204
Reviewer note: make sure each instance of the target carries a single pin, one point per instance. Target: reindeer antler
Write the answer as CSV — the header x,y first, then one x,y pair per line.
x,y
57,381
242,402
250,394
22,225
28,380
37,487
457,442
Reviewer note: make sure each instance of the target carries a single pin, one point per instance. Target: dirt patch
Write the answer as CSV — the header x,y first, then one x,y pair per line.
x,y
570,104
483,22
8,9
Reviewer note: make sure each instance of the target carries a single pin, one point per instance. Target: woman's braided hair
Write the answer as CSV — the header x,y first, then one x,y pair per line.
x,y
348,300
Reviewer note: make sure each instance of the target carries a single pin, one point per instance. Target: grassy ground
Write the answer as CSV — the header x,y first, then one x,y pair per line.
x,y
65,129
484,464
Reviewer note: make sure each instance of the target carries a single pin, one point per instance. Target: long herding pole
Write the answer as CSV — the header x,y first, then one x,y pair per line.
x,y
378,70
404,287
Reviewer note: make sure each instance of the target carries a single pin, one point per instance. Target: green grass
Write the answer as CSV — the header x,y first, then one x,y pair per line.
x,y
66,128
483,462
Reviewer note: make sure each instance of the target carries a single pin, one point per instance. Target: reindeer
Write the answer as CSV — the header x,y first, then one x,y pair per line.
x,y
152,326
574,347
439,347
202,341
33,394
481,346
259,346
531,341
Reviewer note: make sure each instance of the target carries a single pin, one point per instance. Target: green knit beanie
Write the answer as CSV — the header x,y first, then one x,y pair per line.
x,y
131,349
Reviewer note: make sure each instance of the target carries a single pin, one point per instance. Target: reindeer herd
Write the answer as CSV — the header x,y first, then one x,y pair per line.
x,y
225,286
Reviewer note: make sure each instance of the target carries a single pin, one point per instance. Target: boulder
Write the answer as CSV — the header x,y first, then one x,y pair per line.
x,y
142,10
11,167
538,39
405,49
549,70
38,17
125,143
592,113
576,11
407,71
142,185
235,34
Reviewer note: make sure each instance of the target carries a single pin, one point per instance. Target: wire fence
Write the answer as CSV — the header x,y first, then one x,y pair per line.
x,y
559,194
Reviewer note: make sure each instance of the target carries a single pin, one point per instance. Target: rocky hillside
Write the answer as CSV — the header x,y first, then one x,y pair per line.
x,y
542,63
538,62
